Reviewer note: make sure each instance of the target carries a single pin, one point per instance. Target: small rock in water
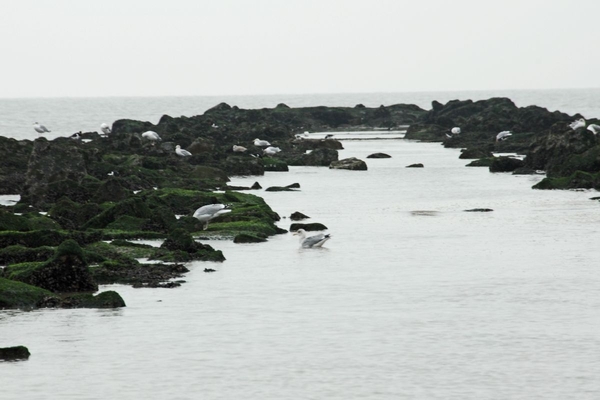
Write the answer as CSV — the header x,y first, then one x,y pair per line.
x,y
479,210
419,165
297,216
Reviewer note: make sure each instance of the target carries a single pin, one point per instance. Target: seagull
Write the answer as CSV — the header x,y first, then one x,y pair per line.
x,y
182,152
239,149
214,126
594,128
40,128
105,128
311,241
455,130
580,123
210,211
151,135
271,151
503,136
261,143
76,136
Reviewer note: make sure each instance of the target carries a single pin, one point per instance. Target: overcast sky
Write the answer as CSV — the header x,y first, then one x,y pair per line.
x,y
218,47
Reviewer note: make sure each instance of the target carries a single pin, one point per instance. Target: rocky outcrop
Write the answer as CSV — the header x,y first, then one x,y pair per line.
x,y
352,163
480,122
14,353
505,164
66,272
379,155
315,226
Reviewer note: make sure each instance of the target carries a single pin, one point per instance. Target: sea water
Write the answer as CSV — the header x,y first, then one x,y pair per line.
x,y
412,298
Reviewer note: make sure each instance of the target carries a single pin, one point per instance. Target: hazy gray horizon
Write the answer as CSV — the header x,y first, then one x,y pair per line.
x,y
135,48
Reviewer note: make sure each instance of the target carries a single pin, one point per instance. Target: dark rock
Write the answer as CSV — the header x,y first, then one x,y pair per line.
x,y
483,162
288,188
67,271
108,299
249,238
479,210
317,158
352,163
505,164
20,295
379,155
315,226
255,186
14,353
297,216
14,156
419,165
473,153
61,163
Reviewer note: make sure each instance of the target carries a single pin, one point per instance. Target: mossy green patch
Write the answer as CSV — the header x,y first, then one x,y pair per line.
x,y
21,295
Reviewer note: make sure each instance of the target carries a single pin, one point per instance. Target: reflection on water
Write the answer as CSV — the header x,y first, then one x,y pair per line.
x,y
396,305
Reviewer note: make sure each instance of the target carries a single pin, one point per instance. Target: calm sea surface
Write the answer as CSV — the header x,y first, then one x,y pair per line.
x,y
412,298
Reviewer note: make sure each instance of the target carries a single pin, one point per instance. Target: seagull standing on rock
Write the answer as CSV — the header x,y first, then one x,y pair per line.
x,y
182,152
580,123
238,149
208,212
105,129
40,128
152,136
594,128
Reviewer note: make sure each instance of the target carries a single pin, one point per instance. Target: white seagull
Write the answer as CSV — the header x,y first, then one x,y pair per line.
x,y
261,143
594,128
40,128
239,149
208,212
503,136
182,152
580,123
455,130
105,128
151,135
311,241
271,151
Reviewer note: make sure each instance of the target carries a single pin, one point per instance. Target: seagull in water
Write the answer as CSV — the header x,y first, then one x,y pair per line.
x,y
182,152
271,151
594,128
238,149
208,212
503,136
152,136
105,128
580,123
311,241
40,128
261,143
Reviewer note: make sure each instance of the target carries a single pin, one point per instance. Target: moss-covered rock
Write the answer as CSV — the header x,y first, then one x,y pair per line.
x,y
65,272
275,164
108,299
20,254
482,162
15,294
249,238
577,180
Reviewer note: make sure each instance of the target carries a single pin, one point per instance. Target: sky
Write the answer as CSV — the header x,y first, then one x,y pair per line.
x,y
58,48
